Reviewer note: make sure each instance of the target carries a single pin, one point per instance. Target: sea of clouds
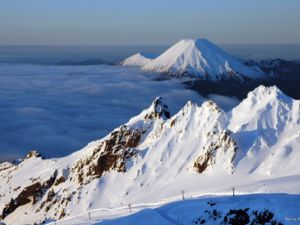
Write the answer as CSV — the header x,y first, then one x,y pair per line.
x,y
59,109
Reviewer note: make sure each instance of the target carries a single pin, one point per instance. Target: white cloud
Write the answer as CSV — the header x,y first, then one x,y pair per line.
x,y
59,109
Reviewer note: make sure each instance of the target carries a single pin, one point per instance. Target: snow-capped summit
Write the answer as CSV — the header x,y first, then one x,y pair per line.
x,y
266,126
200,58
265,107
139,59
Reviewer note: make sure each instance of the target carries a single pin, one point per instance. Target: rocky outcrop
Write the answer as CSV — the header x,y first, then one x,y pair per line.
x,y
158,110
33,154
111,154
223,148
31,193
118,148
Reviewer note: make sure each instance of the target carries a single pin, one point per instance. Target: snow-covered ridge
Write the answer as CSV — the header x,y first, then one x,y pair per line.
x,y
199,58
200,149
264,108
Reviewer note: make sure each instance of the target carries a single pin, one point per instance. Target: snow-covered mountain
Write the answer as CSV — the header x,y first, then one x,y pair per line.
x,y
199,58
139,59
156,157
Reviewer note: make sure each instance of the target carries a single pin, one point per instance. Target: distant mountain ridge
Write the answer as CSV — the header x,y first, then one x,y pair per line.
x,y
277,68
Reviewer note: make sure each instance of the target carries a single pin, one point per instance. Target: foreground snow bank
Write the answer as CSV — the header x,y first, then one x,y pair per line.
x,y
256,209
273,209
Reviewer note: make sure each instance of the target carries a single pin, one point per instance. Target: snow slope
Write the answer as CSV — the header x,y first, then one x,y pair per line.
x,y
267,127
139,59
155,156
211,210
199,58
276,208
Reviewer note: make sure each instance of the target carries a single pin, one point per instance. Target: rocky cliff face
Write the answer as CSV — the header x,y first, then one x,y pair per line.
x,y
111,154
224,148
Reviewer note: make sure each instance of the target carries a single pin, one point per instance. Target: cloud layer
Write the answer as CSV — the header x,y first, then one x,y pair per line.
x,y
59,109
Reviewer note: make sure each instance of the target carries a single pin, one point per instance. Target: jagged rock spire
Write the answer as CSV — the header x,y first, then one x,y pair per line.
x,y
158,109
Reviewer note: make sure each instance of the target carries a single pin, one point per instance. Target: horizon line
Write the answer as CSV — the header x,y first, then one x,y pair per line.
x,y
135,45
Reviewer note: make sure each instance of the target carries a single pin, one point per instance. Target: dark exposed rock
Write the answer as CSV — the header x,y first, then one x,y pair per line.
x,y
33,154
17,188
207,157
203,162
29,194
172,124
213,106
62,214
111,154
159,110
59,180
50,195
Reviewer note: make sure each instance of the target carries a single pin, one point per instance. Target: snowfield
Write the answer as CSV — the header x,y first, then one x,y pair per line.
x,y
157,158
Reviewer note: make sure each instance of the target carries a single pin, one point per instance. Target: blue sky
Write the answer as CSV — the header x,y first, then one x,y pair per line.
x,y
121,22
